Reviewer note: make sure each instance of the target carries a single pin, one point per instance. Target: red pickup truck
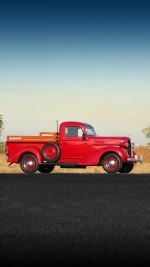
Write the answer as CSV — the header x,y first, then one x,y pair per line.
x,y
75,145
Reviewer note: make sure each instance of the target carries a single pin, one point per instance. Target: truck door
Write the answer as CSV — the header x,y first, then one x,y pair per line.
x,y
74,147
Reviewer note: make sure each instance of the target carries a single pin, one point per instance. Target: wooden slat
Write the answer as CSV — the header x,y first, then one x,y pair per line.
x,y
49,133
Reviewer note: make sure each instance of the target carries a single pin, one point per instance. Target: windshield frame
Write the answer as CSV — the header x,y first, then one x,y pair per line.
x,y
90,130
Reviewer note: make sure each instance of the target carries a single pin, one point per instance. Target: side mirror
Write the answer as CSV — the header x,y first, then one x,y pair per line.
x,y
83,136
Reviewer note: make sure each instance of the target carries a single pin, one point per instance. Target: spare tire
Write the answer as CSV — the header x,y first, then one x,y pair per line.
x,y
51,152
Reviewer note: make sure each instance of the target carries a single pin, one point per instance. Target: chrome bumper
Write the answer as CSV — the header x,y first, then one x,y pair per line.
x,y
135,159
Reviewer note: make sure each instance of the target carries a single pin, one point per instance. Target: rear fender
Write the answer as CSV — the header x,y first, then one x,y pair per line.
x,y
95,157
15,158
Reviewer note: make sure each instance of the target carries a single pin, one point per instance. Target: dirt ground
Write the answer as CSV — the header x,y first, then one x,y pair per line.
x,y
15,168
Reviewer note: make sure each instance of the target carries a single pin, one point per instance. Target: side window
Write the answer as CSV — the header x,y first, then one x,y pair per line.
x,y
73,131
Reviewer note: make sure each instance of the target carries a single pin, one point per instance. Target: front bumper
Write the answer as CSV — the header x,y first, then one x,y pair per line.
x,y
135,159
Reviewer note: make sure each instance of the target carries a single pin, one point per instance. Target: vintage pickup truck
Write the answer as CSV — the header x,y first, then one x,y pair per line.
x,y
74,145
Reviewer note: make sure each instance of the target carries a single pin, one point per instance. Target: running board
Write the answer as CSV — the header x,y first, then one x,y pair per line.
x,y
60,163
65,164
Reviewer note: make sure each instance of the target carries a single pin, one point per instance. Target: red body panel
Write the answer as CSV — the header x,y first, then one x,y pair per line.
x,y
16,150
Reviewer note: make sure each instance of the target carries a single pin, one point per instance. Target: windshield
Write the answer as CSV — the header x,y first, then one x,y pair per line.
x,y
90,130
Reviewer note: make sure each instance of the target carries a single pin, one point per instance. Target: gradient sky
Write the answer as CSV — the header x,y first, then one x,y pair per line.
x,y
75,60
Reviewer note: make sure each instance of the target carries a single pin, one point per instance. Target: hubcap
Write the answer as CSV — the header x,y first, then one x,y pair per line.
x,y
50,152
111,163
29,164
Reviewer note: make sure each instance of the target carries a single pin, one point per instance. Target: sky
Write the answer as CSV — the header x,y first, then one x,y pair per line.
x,y
75,60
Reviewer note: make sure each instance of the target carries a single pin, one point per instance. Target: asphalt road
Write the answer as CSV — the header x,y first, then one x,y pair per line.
x,y
55,219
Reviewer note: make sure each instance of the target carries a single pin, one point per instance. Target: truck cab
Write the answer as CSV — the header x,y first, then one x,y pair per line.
x,y
74,141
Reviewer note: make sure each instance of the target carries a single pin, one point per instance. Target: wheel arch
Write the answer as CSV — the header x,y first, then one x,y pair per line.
x,y
103,155
118,151
97,156
30,150
25,153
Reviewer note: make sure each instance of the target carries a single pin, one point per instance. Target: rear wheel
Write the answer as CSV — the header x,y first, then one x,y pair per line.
x,y
29,163
51,152
127,167
46,168
112,163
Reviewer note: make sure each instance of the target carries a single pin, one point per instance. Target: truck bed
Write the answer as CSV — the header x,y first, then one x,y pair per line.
x,y
42,137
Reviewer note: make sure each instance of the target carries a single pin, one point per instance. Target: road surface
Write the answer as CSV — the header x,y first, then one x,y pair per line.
x,y
54,219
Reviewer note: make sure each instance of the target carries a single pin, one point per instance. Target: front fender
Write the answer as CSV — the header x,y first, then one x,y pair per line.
x,y
95,157
15,158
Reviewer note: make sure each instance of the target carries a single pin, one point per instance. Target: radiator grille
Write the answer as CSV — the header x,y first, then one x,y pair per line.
x,y
129,148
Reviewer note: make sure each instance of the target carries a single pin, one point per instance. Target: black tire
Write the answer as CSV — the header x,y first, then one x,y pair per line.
x,y
127,167
112,163
29,163
51,152
46,168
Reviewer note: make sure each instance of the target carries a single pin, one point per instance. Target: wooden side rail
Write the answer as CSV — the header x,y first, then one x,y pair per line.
x,y
43,136
49,133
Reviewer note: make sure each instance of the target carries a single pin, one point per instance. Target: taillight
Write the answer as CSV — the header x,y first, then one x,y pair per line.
x,y
6,148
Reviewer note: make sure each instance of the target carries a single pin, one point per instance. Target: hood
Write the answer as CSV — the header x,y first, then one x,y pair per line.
x,y
109,140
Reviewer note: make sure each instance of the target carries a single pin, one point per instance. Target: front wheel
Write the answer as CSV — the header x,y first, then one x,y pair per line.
x,y
112,163
29,163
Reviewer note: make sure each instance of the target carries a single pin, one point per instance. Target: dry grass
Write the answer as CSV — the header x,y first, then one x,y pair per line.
x,y
145,152
143,167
